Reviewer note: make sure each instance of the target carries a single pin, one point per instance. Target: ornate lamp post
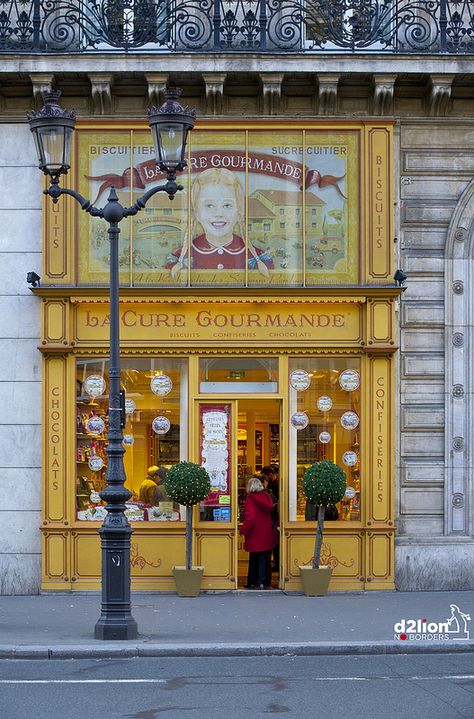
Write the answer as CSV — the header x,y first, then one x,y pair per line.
x,y
52,130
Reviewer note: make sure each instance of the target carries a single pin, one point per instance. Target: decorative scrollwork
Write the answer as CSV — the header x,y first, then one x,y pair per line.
x,y
458,339
136,559
328,559
435,26
458,444
458,287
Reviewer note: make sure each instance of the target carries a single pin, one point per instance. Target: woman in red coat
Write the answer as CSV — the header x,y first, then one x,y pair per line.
x,y
258,532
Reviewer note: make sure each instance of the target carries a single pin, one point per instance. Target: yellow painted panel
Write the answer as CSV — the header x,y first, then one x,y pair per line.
x,y
337,323
55,235
56,441
381,325
55,321
342,552
379,196
152,556
86,555
381,443
55,548
380,555
214,552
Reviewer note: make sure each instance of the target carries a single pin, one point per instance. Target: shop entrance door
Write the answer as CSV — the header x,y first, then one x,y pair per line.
x,y
237,439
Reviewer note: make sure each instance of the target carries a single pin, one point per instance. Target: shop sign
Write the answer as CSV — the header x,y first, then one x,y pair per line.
x,y
161,385
232,323
300,380
214,449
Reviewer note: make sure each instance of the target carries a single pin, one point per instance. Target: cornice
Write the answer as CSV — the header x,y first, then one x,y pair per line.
x,y
313,295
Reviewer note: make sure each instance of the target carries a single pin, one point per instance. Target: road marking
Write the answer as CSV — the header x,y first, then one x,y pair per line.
x,y
164,681
83,681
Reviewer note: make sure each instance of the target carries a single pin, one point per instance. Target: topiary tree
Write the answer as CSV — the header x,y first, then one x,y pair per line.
x,y
187,483
323,483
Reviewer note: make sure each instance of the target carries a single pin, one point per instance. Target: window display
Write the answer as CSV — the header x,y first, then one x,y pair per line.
x,y
155,435
330,404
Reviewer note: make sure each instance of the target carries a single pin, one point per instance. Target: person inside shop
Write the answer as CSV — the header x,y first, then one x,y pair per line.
x,y
160,491
269,477
311,512
151,490
257,529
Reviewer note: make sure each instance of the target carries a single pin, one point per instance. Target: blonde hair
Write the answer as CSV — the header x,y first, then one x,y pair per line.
x,y
223,178
254,485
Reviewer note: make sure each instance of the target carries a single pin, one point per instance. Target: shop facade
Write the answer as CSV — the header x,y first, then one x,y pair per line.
x,y
276,347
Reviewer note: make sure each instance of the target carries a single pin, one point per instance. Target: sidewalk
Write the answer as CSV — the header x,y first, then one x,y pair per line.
x,y
230,624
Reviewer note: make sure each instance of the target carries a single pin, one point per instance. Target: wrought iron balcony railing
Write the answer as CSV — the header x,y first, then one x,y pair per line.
x,y
311,26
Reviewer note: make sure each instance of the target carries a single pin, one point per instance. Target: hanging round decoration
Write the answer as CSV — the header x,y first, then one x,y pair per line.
x,y
324,437
128,440
349,380
94,385
96,463
130,406
350,493
161,384
350,458
324,403
161,425
95,425
299,420
300,380
95,497
350,420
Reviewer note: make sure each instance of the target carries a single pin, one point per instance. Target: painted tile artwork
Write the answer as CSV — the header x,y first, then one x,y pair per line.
x,y
258,208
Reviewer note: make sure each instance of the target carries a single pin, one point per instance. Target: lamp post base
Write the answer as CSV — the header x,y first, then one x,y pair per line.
x,y
116,628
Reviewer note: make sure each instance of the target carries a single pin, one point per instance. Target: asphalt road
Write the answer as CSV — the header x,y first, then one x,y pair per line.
x,y
421,686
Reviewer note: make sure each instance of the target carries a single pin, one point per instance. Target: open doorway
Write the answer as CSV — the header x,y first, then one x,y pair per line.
x,y
258,443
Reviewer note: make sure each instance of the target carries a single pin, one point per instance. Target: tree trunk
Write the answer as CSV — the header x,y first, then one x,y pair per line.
x,y
319,536
189,536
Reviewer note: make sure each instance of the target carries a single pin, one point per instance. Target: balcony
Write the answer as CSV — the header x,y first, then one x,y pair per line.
x,y
433,27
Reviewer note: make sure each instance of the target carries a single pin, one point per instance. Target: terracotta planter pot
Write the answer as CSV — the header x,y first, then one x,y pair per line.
x,y
188,581
315,581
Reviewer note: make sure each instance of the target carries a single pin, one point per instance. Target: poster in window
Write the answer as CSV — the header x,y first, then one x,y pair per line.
x,y
215,451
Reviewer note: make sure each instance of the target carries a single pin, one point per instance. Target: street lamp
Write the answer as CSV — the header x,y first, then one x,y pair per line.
x,y
52,129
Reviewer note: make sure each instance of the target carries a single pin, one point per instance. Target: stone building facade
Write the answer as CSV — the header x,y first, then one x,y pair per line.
x,y
431,99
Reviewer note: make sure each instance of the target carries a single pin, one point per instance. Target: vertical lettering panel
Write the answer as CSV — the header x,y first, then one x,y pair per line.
x,y
57,235
380,441
379,204
55,438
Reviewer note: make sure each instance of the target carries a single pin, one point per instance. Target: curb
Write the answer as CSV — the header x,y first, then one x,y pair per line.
x,y
123,650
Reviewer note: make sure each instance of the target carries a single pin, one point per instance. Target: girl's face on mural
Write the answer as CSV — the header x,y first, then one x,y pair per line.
x,y
217,212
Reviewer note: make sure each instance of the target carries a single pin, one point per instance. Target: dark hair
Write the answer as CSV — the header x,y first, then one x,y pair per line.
x,y
268,469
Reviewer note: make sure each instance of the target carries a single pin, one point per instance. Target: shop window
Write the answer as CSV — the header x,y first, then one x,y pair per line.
x,y
155,435
325,411
246,375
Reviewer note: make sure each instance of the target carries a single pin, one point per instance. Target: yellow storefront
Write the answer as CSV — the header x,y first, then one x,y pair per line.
x,y
288,348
